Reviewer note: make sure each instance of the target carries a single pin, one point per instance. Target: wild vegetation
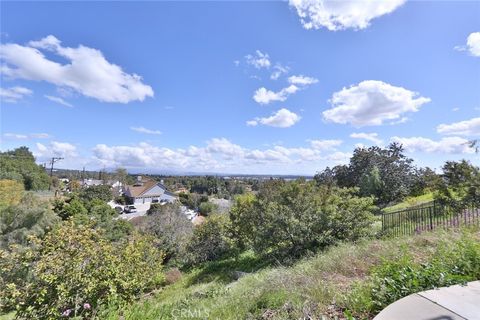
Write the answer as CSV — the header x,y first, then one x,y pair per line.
x,y
288,249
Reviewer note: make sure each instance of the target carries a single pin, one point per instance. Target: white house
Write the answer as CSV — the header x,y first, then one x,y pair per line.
x,y
145,191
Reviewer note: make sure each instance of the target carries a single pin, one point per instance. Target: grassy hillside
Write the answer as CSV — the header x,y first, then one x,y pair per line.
x,y
410,202
337,282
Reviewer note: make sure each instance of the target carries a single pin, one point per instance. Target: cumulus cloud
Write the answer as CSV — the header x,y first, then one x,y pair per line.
x,y
283,118
264,96
448,145
340,15
302,80
14,94
87,70
59,101
373,137
145,130
371,103
463,128
217,154
259,60
473,44
21,136
56,149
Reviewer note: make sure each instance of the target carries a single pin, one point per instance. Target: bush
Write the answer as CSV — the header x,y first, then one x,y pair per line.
x,y
452,263
206,208
170,227
30,217
209,241
102,192
11,192
75,269
288,219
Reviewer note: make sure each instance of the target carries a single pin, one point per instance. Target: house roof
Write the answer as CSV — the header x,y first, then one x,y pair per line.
x,y
137,191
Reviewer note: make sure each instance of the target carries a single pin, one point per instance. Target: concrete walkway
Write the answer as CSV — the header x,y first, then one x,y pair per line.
x,y
448,303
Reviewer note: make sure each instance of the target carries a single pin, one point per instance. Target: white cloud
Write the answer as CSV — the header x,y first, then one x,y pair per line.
x,y
258,60
340,15
373,137
87,71
448,145
302,80
20,136
264,96
40,135
16,136
473,44
372,103
56,149
283,118
59,101
14,94
323,145
225,147
278,71
218,154
463,128
145,130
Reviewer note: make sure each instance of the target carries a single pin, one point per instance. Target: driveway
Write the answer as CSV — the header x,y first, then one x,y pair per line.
x,y
141,210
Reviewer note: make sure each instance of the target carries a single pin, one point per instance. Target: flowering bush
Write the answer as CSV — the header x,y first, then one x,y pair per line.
x,y
74,269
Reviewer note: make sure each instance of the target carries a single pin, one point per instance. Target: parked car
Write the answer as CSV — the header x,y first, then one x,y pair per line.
x,y
118,209
130,209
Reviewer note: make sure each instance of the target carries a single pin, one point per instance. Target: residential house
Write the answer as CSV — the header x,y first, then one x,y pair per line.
x,y
148,191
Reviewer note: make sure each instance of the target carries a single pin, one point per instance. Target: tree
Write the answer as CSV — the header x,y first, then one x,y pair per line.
x,y
102,192
394,176
170,227
460,187
19,164
371,183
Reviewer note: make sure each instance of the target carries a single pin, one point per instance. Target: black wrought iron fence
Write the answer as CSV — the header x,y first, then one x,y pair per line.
x,y
428,217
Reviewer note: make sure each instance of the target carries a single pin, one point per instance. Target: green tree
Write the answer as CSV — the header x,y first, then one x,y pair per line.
x,y
19,164
102,192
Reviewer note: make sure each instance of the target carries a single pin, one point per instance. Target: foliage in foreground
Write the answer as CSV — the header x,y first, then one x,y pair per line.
x,y
73,270
314,287
452,263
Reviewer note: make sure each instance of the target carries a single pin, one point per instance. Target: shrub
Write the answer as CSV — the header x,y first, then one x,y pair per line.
x,y
170,227
288,219
102,192
11,192
74,269
209,240
206,208
30,217
452,263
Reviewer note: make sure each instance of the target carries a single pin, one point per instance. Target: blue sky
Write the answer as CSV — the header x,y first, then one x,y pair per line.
x,y
239,87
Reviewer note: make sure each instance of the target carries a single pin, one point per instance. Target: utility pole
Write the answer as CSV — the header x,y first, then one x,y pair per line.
x,y
52,162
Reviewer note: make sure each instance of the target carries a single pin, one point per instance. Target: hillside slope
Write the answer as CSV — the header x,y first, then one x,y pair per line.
x,y
334,283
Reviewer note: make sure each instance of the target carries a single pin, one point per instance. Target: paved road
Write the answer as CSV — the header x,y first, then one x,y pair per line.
x,y
448,303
